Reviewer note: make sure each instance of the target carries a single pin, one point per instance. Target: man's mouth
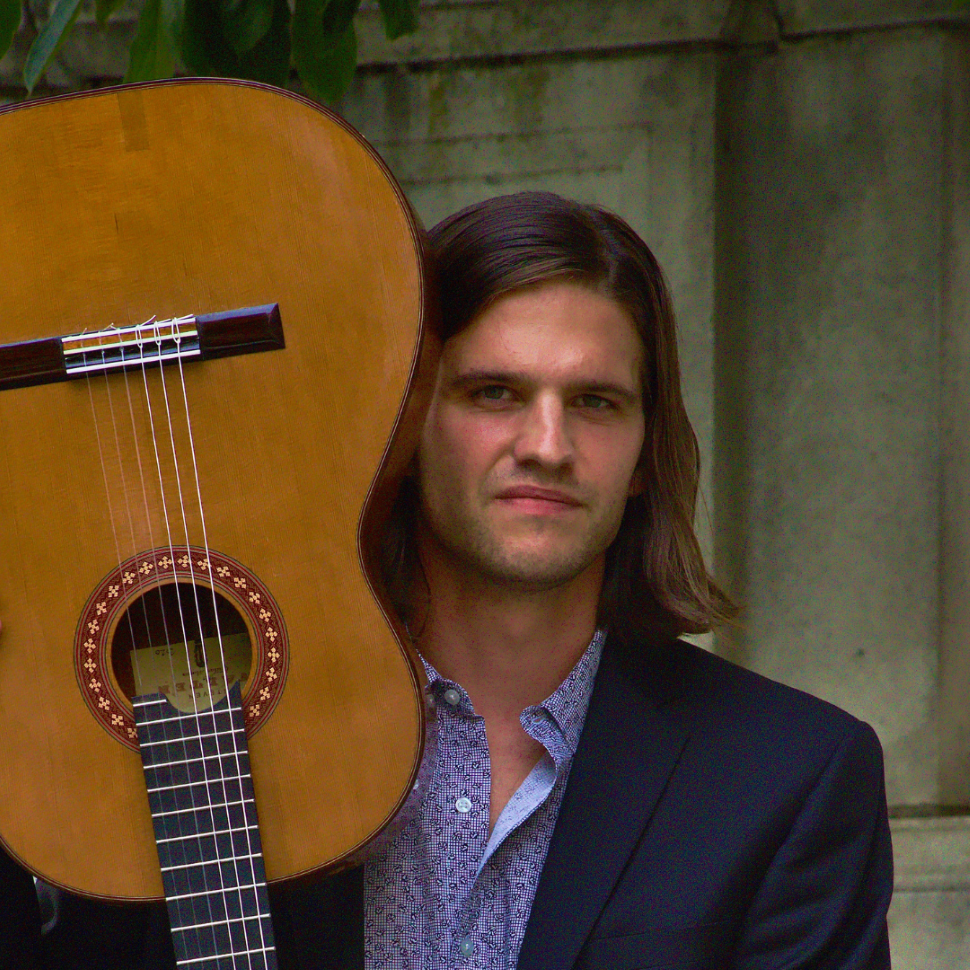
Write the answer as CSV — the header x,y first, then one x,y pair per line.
x,y
538,499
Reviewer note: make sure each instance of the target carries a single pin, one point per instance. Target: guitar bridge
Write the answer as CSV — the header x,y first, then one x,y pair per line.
x,y
154,342
203,337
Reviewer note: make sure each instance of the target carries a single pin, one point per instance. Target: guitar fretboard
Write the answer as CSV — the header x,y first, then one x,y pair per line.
x,y
201,797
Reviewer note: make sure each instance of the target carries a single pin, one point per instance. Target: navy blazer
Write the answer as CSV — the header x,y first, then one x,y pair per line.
x,y
713,820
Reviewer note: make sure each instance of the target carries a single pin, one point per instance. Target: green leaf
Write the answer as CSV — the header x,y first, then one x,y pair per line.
x,y
323,24
245,22
103,9
48,41
333,19
326,63
152,52
400,17
207,52
9,22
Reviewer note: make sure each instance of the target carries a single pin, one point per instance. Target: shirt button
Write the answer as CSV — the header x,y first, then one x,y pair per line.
x,y
467,946
463,805
451,696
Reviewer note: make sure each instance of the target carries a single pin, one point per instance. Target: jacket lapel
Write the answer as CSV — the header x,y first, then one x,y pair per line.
x,y
613,788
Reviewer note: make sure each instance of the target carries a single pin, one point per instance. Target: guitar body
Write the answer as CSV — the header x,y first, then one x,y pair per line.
x,y
247,473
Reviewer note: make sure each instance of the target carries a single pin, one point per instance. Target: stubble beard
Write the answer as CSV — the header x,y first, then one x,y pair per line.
x,y
529,556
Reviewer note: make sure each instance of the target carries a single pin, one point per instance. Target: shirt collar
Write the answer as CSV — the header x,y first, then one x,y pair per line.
x,y
566,705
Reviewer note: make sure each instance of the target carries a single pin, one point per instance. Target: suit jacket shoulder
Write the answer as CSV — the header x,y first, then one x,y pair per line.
x,y
714,818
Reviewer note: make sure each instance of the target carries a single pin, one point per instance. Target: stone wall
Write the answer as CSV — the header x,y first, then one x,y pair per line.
x,y
801,169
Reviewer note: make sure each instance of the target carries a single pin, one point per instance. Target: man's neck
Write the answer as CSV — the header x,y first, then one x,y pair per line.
x,y
508,648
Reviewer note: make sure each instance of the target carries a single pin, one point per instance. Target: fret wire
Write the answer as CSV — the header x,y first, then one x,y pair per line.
x,y
214,711
186,775
192,761
159,699
223,956
191,718
213,862
194,837
222,891
237,732
205,781
222,922
183,811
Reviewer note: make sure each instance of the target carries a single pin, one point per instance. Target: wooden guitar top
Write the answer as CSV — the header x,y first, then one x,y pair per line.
x,y
248,471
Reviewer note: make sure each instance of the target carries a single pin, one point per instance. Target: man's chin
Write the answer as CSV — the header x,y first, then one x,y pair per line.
x,y
537,575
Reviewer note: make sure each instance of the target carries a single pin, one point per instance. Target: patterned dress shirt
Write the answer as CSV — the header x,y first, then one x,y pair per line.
x,y
444,893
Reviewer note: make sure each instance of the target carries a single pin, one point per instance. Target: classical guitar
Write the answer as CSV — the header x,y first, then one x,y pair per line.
x,y
213,363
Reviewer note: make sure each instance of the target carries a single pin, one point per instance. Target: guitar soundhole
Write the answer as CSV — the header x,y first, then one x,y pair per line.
x,y
132,634
183,640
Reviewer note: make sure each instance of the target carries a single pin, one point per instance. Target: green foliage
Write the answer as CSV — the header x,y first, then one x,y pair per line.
x,y
152,52
208,52
245,22
49,40
256,39
325,45
9,22
103,9
400,17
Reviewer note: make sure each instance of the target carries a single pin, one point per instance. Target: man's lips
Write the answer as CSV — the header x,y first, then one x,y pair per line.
x,y
527,494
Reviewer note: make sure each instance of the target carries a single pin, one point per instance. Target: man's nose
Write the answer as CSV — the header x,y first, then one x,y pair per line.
x,y
544,435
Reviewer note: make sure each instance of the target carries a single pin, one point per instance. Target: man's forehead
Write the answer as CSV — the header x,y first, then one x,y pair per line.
x,y
563,331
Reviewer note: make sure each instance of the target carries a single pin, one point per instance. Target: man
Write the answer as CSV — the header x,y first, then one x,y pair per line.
x,y
603,795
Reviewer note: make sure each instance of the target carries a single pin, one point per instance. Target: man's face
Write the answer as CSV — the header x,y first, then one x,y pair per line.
x,y
529,449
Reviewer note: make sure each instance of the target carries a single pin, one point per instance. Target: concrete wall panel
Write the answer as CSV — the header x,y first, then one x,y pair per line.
x,y
930,913
929,930
953,704
816,16
832,299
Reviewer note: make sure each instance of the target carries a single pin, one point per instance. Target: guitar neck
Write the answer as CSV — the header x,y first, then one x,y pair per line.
x,y
201,797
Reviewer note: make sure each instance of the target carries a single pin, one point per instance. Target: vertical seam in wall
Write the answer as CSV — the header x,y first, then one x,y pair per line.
x,y
728,425
949,697
942,302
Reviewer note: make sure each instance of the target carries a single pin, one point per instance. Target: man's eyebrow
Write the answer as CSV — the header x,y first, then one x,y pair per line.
x,y
609,389
473,378
469,378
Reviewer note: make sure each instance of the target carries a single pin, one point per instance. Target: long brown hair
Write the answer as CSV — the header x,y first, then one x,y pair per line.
x,y
656,580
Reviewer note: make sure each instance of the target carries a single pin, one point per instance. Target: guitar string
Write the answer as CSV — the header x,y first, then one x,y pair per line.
x,y
181,615
131,526
222,657
148,518
173,677
140,582
162,609
210,712
146,580
107,487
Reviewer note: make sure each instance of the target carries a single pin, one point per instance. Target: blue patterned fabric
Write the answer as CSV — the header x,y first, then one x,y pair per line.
x,y
443,893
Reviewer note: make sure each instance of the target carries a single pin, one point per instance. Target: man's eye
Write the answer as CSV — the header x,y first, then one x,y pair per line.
x,y
593,402
493,392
